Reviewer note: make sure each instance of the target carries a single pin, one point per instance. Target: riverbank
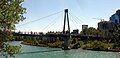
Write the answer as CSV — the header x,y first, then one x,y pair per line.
x,y
91,45
29,51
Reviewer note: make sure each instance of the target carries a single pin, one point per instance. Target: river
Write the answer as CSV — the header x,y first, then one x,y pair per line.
x,y
45,52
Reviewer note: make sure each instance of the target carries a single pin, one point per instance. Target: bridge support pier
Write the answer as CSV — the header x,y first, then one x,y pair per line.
x,y
66,44
66,39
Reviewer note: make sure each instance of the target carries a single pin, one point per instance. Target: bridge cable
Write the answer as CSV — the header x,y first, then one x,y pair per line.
x,y
78,2
75,20
49,25
59,23
39,19
52,23
46,28
72,20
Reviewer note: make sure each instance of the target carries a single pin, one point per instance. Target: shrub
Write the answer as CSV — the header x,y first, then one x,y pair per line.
x,y
97,45
57,44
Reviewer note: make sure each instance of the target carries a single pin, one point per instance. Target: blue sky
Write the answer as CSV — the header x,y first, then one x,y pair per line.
x,y
85,10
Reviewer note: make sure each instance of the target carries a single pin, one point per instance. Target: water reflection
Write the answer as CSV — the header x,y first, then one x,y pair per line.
x,y
39,51
45,52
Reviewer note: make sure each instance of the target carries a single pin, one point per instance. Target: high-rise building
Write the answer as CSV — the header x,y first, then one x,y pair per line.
x,y
105,25
115,18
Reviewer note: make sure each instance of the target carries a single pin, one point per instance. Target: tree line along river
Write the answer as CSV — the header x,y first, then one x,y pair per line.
x,y
46,52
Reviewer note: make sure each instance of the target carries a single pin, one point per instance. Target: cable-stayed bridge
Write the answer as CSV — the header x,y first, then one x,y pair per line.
x,y
65,33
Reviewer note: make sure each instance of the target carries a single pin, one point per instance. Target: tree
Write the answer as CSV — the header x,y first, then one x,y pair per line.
x,y
11,13
89,31
116,35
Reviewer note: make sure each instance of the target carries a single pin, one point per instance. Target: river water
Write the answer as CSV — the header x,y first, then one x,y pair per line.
x,y
45,52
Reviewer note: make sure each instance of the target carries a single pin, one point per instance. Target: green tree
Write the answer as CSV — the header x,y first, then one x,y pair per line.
x,y
89,31
116,35
11,13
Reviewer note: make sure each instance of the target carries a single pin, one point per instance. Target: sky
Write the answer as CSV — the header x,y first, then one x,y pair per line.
x,y
80,12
